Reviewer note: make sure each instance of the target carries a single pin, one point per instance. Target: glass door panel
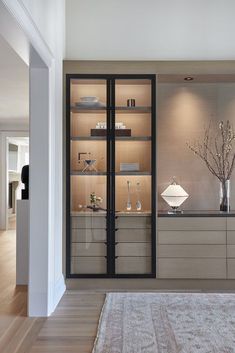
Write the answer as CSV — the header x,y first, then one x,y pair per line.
x,y
133,177
88,176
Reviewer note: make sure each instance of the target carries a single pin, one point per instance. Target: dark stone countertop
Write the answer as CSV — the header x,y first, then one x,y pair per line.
x,y
198,213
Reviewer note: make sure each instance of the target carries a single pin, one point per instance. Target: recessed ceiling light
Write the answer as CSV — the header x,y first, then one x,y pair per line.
x,y
188,78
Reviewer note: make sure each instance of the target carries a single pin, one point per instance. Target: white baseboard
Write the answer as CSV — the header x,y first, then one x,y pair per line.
x,y
60,288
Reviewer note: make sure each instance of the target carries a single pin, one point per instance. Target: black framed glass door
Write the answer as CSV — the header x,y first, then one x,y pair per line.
x,y
111,214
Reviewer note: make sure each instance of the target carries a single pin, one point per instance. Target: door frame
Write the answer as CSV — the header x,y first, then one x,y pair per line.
x,y
110,81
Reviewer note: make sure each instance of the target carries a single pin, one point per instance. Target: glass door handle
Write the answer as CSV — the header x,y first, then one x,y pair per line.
x,y
116,229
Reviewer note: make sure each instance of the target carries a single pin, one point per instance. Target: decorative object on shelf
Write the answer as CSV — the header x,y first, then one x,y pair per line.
x,y
129,167
131,102
138,202
101,125
89,164
89,101
25,181
174,195
95,202
128,204
218,153
120,126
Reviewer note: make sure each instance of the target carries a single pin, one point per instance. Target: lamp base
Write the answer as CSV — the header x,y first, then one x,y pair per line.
x,y
175,210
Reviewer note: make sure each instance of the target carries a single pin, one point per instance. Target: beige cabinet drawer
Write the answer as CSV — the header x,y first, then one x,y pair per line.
x,y
133,222
88,265
192,251
133,249
230,223
192,268
231,237
231,268
231,251
135,235
88,222
133,265
191,237
88,249
88,235
192,223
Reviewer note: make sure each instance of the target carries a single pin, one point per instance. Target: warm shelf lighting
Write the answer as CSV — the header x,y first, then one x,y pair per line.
x,y
174,195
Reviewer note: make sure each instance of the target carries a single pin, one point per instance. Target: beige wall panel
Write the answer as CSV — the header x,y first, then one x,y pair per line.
x,y
88,249
88,235
86,265
136,235
135,249
191,237
192,268
230,223
133,265
89,221
134,222
192,223
231,237
231,251
190,251
231,268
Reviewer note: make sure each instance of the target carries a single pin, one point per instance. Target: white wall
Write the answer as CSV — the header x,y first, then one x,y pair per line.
x,y
150,29
42,25
48,16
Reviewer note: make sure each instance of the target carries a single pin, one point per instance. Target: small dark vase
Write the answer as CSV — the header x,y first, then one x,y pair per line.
x,y
225,196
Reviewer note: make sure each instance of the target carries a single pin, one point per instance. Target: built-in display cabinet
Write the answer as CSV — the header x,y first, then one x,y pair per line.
x,y
111,149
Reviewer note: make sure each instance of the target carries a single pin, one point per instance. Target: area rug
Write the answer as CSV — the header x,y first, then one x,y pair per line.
x,y
167,323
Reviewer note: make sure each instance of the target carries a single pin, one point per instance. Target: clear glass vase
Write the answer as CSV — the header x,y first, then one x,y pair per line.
x,y
225,196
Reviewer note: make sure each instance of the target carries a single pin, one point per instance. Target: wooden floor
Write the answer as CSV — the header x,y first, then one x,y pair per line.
x,y
71,329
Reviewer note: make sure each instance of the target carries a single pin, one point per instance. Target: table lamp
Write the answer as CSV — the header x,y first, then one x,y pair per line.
x,y
174,195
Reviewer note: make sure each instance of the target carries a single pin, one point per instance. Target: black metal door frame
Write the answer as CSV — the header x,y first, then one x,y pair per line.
x,y
110,191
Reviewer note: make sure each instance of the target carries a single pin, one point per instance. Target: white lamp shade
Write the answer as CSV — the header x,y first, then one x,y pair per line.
x,y
174,195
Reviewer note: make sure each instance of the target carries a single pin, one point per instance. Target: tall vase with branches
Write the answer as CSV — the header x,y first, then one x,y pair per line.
x,y
217,150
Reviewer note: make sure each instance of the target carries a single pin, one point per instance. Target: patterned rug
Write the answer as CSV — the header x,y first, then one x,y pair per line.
x,y
167,323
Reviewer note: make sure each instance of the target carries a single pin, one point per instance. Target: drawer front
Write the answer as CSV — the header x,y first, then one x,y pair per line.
x,y
88,265
191,237
231,251
135,235
231,268
135,249
192,268
230,223
133,222
192,251
88,235
231,237
192,223
88,249
88,222
133,265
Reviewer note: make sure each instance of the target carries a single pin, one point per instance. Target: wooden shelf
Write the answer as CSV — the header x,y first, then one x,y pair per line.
x,y
117,138
133,138
119,110
76,172
95,110
132,173
88,138
134,110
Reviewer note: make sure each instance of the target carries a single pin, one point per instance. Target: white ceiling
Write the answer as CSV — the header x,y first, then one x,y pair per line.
x,y
14,86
